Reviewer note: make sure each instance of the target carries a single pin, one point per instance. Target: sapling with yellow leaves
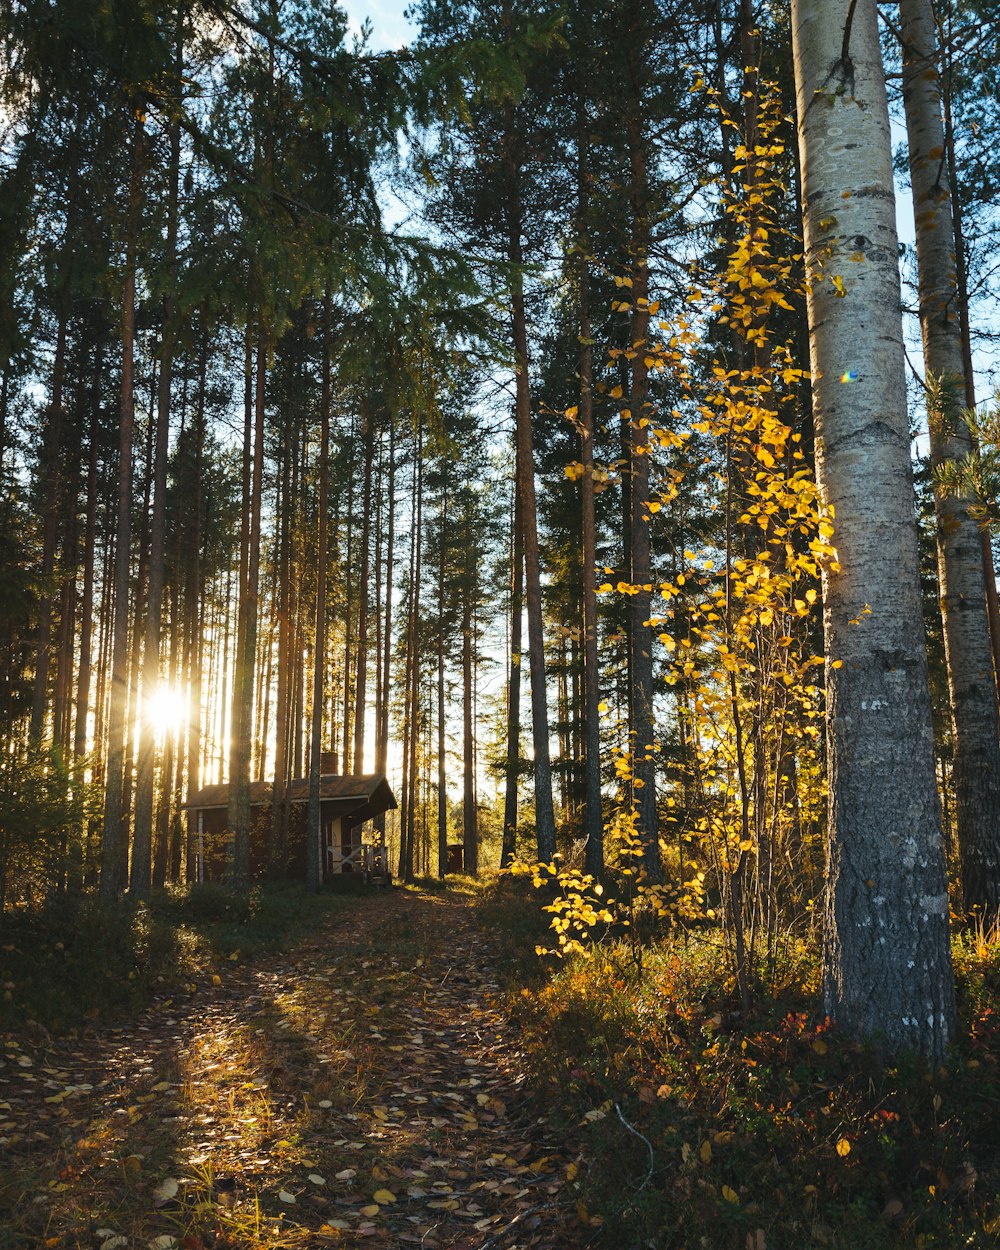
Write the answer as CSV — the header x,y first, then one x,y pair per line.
x,y
736,618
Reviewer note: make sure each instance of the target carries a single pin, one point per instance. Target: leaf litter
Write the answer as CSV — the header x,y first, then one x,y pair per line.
x,y
360,1089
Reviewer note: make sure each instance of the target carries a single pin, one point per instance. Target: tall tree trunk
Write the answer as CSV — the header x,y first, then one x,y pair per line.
x,y
50,447
276,840
240,816
138,616
142,835
593,816
361,680
195,615
83,680
965,326
348,610
239,792
971,684
508,849
641,720
382,717
314,839
114,839
545,820
470,816
411,685
442,786
887,960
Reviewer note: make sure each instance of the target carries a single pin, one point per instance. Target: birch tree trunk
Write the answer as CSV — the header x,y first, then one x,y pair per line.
x,y
971,685
887,961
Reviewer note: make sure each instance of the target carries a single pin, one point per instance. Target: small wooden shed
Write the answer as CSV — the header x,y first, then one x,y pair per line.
x,y
347,804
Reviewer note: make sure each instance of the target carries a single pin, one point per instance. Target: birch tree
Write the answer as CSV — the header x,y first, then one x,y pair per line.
x,y
887,961
971,682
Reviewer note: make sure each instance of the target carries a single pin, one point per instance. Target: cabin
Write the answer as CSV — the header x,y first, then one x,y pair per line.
x,y
348,805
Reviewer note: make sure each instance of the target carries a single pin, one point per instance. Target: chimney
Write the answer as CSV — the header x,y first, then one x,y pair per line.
x,y
327,763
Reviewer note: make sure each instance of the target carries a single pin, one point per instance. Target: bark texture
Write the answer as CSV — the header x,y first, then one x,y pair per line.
x,y
961,575
114,835
887,961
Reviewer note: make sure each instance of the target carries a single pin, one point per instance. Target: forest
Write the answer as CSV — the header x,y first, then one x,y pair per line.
x,y
551,465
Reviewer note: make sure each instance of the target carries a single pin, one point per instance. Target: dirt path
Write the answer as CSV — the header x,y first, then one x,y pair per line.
x,y
361,1089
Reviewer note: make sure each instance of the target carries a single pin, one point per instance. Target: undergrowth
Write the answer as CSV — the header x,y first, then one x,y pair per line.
x,y
77,959
703,1129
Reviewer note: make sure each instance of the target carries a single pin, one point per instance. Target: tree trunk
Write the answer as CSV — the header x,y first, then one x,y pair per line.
x,y
195,601
115,830
142,835
238,849
962,284
887,961
442,787
545,820
83,681
50,446
276,840
593,816
314,838
470,822
361,668
971,685
641,721
509,848
348,610
381,761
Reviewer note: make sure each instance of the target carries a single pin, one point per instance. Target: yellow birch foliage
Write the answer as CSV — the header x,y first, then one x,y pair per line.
x,y
736,620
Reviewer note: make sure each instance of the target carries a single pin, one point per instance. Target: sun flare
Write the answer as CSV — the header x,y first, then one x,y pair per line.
x,y
166,709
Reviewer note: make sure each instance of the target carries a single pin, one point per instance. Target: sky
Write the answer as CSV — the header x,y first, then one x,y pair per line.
x,y
390,29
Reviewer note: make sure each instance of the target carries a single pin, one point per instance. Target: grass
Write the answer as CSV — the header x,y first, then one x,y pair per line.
x,y
77,959
703,1130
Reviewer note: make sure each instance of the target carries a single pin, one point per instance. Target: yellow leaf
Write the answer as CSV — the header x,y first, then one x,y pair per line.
x,y
843,1147
372,1209
706,1152
384,1196
730,1195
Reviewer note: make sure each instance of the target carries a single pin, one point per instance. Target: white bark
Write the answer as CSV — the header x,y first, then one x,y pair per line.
x,y
887,963
971,684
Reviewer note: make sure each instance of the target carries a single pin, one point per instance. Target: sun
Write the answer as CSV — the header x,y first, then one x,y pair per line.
x,y
166,709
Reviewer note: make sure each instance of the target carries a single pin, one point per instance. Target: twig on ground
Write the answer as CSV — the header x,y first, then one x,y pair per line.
x,y
649,1146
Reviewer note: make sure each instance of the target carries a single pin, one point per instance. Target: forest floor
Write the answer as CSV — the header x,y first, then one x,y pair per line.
x,y
396,1068
362,1087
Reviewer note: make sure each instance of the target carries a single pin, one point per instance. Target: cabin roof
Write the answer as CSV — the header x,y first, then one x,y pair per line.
x,y
348,792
